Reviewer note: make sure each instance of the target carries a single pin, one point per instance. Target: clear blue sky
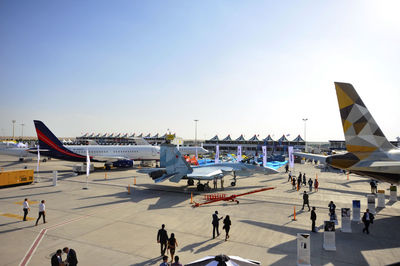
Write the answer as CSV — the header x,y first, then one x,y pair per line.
x,y
240,67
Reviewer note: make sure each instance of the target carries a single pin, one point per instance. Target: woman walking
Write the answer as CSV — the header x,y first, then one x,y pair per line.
x,y
227,227
172,244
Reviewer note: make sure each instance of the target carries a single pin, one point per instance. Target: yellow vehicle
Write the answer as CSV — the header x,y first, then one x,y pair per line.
x,y
16,177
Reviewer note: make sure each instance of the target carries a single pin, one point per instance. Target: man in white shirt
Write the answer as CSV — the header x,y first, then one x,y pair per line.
x,y
42,212
25,207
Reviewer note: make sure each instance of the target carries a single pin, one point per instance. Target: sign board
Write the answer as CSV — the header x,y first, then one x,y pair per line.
x,y
356,210
329,236
239,153
303,249
264,149
381,199
170,137
346,223
291,156
217,154
393,193
371,203
55,178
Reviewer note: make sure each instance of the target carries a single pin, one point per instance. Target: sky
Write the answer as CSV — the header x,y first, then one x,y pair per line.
x,y
239,67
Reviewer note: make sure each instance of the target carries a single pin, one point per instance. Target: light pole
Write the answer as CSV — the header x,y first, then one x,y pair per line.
x,y
22,130
305,132
13,121
195,132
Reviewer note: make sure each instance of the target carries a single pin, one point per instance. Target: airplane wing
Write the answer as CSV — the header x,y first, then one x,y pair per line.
x,y
316,157
108,159
206,173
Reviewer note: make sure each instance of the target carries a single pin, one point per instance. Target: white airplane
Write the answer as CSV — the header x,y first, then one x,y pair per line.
x,y
111,155
19,150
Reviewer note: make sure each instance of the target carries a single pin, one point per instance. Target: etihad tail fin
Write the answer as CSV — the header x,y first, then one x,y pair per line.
x,y
362,133
174,163
48,141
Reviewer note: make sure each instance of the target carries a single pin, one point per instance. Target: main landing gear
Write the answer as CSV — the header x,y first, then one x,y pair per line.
x,y
202,187
190,182
234,179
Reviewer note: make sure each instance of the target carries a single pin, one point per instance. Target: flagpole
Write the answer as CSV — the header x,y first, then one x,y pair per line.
x,y
37,166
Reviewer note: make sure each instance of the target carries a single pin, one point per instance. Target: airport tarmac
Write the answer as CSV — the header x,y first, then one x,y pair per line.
x,y
107,226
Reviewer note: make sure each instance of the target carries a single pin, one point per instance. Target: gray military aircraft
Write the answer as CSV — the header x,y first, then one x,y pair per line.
x,y
175,168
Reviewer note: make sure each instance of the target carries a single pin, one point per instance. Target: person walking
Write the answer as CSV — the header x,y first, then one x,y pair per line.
x,y
290,176
332,208
299,179
176,262
368,218
56,259
222,183
25,208
215,223
373,187
310,183
316,184
227,226
313,219
42,212
172,244
215,182
294,183
305,201
304,179
162,238
72,260
287,168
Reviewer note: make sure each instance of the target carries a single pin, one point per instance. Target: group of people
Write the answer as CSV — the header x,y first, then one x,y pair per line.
x,y
302,181
42,210
71,260
171,243
167,243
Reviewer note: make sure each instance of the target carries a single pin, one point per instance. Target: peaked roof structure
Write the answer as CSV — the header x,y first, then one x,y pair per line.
x,y
254,138
140,136
268,138
227,138
132,135
215,138
241,138
147,136
298,139
283,139
155,136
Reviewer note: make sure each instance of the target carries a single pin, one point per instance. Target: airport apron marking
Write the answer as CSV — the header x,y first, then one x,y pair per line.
x,y
33,248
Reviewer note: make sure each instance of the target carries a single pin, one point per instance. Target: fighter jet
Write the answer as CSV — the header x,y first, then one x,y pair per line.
x,y
177,168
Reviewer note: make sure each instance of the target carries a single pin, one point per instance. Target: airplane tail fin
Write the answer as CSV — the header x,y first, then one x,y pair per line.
x,y
175,165
362,133
48,141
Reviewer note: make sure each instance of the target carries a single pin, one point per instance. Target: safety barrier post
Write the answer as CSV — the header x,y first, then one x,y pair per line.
x,y
105,176
191,198
347,175
294,213
129,189
134,181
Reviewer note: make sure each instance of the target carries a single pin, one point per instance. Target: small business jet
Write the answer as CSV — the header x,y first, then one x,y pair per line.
x,y
177,168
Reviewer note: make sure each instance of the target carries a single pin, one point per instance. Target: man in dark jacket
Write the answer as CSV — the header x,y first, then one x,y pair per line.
x,y
56,259
313,218
368,218
215,223
162,238
305,201
72,260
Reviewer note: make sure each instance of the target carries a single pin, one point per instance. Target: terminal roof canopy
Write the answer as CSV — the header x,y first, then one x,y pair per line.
x,y
298,139
241,138
155,136
268,138
140,136
254,138
227,138
147,136
215,138
283,139
133,135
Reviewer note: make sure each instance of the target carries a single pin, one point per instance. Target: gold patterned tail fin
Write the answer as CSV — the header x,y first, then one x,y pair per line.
x,y
362,133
